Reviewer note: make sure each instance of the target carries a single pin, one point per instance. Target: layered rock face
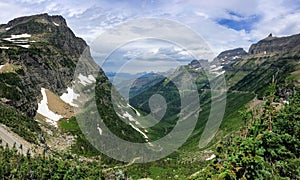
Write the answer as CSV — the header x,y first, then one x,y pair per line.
x,y
273,45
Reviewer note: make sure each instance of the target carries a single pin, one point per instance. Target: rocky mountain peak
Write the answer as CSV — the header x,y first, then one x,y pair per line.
x,y
228,57
56,20
276,45
231,53
46,29
36,52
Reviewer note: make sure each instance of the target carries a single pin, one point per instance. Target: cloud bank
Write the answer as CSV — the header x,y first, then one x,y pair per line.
x,y
222,24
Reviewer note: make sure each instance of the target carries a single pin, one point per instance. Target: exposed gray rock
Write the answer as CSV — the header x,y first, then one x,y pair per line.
x,y
273,44
228,57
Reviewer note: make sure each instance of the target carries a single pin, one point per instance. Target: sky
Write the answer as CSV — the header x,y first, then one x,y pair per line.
x,y
222,25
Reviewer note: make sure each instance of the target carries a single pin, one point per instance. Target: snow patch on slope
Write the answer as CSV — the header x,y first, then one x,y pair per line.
x,y
138,130
92,78
136,111
217,68
211,157
84,80
69,96
14,37
25,46
44,110
100,130
129,116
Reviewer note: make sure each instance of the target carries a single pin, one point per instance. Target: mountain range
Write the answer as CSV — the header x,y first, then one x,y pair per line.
x,y
42,82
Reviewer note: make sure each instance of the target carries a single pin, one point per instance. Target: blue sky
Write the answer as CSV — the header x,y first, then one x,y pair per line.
x,y
222,24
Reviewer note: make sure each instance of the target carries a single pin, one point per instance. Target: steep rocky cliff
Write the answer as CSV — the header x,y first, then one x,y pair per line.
x,y
272,45
36,51
272,57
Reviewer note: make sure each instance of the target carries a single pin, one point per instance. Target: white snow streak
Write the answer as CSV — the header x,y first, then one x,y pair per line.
x,y
284,101
219,73
136,111
138,130
217,68
14,37
100,130
25,46
126,114
55,24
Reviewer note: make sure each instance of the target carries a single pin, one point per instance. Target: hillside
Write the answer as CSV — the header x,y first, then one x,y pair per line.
x,y
248,76
273,56
267,147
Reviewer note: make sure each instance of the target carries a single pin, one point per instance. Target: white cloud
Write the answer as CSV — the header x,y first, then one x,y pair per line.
x,y
31,1
89,19
146,56
279,17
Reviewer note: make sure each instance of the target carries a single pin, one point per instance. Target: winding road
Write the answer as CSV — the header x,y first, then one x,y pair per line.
x,y
11,138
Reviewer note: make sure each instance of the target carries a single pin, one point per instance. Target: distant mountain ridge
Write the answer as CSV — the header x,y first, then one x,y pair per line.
x,y
247,75
268,46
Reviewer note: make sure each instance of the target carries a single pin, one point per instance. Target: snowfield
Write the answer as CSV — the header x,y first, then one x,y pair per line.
x,y
44,110
69,96
86,80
